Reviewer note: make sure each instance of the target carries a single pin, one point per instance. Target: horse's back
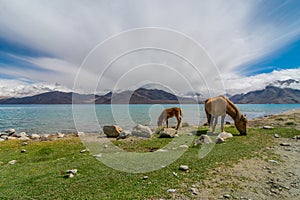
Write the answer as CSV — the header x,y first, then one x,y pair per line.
x,y
216,105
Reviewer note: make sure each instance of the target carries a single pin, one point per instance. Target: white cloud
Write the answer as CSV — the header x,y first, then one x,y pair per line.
x,y
232,32
238,84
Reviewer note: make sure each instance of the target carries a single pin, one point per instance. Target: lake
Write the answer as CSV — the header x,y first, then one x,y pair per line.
x,y
90,118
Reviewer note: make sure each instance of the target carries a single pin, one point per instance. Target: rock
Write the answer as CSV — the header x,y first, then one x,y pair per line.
x,y
60,135
2,140
4,137
11,138
71,171
12,162
285,144
226,196
35,136
193,190
10,131
175,174
124,134
105,146
203,139
184,146
80,134
24,138
167,133
23,150
268,127
171,190
24,143
273,161
276,136
145,177
141,131
21,134
112,131
225,135
184,167
219,140
83,151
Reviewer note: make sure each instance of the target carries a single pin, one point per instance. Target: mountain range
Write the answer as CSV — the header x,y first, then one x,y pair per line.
x,y
269,95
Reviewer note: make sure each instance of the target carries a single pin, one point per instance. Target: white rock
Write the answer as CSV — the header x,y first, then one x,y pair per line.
x,y
171,190
124,134
12,162
71,171
225,135
35,136
21,134
11,138
24,138
1,139
167,133
60,135
219,140
184,167
268,127
184,146
203,139
141,131
10,131
80,133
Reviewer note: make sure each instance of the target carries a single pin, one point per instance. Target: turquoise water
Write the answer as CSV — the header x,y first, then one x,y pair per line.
x,y
90,118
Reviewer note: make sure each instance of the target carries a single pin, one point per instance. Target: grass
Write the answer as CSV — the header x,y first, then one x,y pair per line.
x,y
38,172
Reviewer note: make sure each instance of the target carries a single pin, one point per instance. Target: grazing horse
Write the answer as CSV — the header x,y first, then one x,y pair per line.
x,y
220,106
169,113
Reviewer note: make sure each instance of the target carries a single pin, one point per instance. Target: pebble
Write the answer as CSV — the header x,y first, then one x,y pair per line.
x,y
226,196
175,174
83,151
105,146
145,177
268,127
184,146
23,150
171,190
24,143
184,167
276,136
273,161
12,162
194,190
285,144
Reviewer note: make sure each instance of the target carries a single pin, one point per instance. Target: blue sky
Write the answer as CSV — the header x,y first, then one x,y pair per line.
x,y
251,43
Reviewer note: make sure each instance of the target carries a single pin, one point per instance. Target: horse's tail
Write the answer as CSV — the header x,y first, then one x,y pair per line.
x,y
208,116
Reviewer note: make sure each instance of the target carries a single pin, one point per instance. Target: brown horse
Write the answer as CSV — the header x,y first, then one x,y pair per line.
x,y
220,106
169,113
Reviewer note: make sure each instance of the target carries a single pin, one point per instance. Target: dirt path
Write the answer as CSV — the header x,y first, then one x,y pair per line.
x,y
262,178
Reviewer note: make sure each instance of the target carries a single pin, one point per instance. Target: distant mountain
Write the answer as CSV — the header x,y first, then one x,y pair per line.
x,y
139,96
289,83
270,94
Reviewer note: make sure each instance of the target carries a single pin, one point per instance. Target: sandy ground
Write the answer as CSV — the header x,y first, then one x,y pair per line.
x,y
261,178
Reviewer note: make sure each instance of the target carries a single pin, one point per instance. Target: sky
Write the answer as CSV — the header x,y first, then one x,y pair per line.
x,y
208,46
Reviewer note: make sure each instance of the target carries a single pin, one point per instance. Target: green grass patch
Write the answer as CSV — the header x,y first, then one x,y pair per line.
x,y
38,172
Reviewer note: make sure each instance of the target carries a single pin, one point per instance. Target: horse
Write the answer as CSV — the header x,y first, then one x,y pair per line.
x,y
169,113
220,106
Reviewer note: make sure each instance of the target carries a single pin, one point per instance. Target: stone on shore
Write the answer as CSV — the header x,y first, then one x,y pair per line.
x,y
35,136
112,131
141,131
167,133
124,134
268,127
184,167
10,131
12,162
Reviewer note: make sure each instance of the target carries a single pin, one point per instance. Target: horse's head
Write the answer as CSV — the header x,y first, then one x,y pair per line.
x,y
241,125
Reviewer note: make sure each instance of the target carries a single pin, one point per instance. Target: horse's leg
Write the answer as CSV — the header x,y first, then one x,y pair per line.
x,y
178,121
222,123
215,123
211,122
